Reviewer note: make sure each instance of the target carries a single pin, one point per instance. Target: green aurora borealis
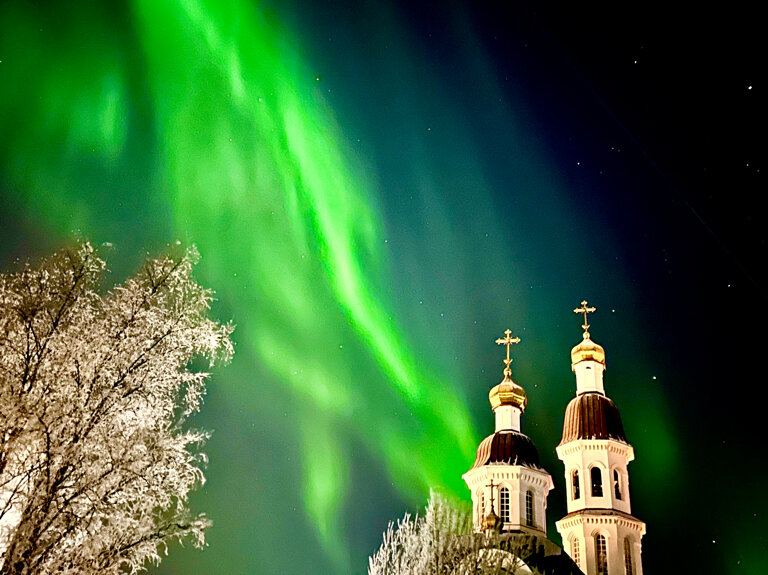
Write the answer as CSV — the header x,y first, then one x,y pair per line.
x,y
370,219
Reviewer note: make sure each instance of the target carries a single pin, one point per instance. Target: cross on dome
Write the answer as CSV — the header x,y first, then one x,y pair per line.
x,y
508,341
584,310
491,520
492,486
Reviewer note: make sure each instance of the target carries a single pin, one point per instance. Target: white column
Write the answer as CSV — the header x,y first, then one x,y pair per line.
x,y
507,417
589,376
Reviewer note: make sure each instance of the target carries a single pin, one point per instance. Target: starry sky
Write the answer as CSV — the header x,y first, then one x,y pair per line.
x,y
378,190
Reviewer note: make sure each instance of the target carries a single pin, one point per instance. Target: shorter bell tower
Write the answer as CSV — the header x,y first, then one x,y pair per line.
x,y
509,487
599,532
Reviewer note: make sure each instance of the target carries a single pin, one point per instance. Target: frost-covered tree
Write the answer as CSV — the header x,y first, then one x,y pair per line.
x,y
95,462
442,542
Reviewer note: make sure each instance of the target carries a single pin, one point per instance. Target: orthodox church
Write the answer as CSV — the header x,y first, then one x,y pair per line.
x,y
510,488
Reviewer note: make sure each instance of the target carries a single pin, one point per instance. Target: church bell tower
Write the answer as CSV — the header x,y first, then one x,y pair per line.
x,y
599,532
509,487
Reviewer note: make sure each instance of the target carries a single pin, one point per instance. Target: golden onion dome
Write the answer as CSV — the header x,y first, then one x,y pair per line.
x,y
587,350
508,393
491,522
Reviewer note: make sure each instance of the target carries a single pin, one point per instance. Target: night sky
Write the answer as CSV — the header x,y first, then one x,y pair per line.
x,y
378,190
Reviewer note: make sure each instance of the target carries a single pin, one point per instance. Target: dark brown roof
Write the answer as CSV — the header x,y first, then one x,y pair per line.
x,y
507,447
592,416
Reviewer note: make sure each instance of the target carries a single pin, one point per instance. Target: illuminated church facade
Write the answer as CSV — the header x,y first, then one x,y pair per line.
x,y
510,488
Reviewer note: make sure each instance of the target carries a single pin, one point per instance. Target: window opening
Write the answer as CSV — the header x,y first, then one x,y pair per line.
x,y
627,556
504,504
529,519
575,490
601,555
576,553
597,482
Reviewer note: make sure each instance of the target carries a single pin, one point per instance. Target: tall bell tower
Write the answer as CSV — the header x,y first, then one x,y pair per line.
x,y
599,532
509,487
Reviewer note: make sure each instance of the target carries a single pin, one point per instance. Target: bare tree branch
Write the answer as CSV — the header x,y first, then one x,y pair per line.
x,y
95,468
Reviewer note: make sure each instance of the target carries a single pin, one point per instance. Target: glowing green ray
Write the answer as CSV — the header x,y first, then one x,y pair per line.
x,y
259,175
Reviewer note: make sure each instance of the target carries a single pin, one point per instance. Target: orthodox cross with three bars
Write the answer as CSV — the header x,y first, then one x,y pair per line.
x,y
508,341
584,310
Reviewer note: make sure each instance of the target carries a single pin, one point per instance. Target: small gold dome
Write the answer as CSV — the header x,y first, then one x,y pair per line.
x,y
587,349
508,393
491,522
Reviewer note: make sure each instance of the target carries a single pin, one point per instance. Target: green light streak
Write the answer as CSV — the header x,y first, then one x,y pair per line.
x,y
261,181
81,108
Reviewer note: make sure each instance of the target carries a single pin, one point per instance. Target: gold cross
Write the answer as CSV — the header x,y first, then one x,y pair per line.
x,y
584,310
508,341
491,486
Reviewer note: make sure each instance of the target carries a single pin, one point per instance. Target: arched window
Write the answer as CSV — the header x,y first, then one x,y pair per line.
x,y
597,482
601,555
575,488
617,484
504,504
628,556
576,553
529,518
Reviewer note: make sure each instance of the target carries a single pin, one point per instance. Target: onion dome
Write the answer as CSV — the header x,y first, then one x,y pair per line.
x,y
491,522
592,416
508,393
511,447
587,349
